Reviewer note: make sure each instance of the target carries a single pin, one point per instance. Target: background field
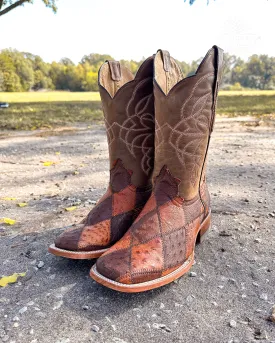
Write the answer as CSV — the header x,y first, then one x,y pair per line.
x,y
34,110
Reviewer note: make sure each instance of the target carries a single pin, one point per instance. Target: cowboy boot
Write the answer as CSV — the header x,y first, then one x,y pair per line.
x,y
128,106
159,246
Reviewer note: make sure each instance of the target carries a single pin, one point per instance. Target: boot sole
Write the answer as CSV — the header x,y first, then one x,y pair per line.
x,y
164,280
76,255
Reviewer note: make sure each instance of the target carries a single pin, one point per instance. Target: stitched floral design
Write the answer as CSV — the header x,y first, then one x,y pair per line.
x,y
137,130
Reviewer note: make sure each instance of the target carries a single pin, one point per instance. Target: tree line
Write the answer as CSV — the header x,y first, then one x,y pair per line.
x,y
23,72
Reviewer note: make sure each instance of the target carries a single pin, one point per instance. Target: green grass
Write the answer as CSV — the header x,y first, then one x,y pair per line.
x,y
29,111
244,103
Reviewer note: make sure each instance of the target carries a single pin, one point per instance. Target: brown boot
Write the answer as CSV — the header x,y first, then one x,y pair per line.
x,y
128,106
159,246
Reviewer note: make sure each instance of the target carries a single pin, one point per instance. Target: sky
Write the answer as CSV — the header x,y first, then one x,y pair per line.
x,y
128,29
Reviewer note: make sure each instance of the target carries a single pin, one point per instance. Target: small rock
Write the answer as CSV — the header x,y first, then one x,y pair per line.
x,y
264,296
259,334
233,323
162,327
95,328
225,234
257,240
2,333
15,325
15,319
192,274
23,310
5,338
85,307
40,264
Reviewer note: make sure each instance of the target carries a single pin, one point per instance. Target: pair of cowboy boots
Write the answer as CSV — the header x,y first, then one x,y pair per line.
x,y
157,206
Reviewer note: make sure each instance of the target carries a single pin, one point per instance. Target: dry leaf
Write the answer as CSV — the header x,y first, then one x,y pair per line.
x,y
72,208
75,172
48,163
22,204
10,279
8,198
57,152
8,221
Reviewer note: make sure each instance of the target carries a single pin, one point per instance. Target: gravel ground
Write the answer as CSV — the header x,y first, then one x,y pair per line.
x,y
228,296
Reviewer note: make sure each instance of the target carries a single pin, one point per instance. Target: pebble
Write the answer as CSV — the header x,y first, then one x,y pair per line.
x,y
192,274
85,307
161,326
15,325
263,296
5,338
15,319
40,264
23,310
233,323
95,328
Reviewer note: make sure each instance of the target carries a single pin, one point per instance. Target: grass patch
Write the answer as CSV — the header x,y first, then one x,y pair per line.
x,y
37,115
243,104
30,111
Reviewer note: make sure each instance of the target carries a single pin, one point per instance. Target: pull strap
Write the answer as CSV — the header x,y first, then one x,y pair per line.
x,y
218,78
166,60
115,70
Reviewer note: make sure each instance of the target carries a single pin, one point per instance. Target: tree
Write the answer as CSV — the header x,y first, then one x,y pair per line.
x,y
8,5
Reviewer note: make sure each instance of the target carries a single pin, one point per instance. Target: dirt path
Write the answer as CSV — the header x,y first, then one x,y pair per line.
x,y
230,294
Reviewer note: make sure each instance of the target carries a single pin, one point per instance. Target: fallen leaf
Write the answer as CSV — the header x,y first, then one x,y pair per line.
x,y
8,221
72,208
75,172
57,152
48,163
10,279
8,198
22,204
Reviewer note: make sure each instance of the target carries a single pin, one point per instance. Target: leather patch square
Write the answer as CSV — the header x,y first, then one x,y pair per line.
x,y
120,224
98,234
147,256
146,229
171,216
124,201
174,248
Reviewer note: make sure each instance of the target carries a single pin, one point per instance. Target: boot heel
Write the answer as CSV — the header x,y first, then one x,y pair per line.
x,y
204,229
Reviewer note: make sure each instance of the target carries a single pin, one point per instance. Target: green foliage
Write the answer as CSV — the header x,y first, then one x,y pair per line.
x,y
21,71
258,72
8,5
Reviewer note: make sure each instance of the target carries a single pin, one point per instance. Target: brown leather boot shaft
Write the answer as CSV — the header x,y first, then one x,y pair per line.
x,y
184,116
128,106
